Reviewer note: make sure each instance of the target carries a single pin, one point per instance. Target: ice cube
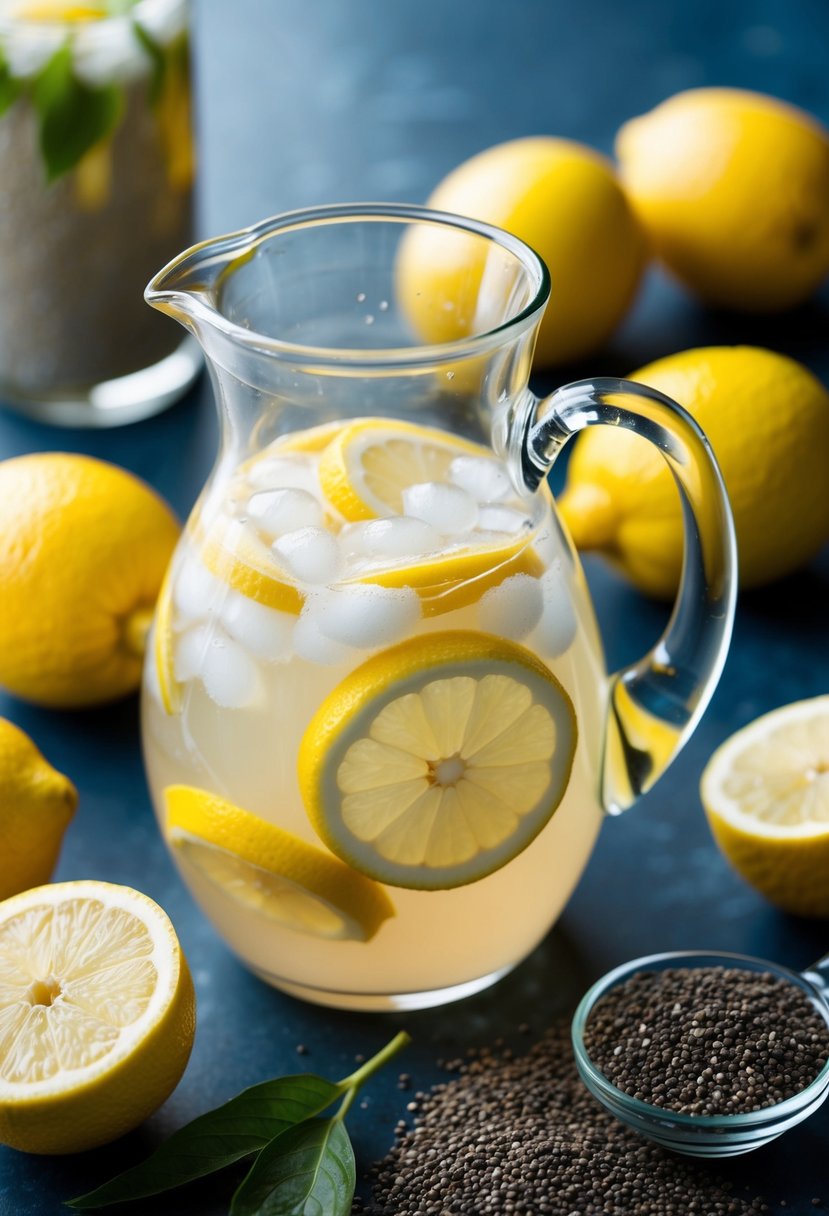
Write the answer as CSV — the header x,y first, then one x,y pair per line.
x,y
557,626
230,676
447,508
513,608
498,518
297,471
486,480
364,615
311,555
399,536
189,652
312,645
278,511
264,631
196,592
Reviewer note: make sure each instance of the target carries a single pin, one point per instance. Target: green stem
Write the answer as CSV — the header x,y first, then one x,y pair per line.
x,y
353,1083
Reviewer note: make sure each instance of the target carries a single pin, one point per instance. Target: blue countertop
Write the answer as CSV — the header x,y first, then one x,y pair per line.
x,y
311,101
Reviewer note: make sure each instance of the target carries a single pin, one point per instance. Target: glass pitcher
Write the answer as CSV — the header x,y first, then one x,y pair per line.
x,y
378,729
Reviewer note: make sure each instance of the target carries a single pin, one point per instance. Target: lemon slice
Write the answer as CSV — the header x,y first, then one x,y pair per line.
x,y
766,794
365,469
457,579
168,686
439,760
97,1014
236,556
272,871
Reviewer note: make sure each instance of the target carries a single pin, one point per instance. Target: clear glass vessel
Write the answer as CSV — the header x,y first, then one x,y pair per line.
x,y
378,533
704,1135
96,157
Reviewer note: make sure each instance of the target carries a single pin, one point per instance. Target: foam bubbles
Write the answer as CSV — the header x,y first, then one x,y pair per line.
x,y
311,555
264,631
449,509
486,480
278,511
513,608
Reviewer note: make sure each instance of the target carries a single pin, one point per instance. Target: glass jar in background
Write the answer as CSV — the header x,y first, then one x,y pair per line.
x,y
96,166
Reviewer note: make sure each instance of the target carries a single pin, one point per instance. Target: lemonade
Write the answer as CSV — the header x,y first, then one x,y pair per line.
x,y
352,580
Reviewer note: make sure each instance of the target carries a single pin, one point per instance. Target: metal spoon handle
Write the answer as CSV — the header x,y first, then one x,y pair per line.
x,y
818,974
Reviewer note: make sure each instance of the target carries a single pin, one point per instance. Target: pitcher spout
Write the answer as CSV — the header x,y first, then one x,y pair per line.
x,y
188,287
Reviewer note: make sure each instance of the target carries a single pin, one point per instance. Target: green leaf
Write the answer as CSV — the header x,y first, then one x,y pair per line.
x,y
235,1130
307,1171
10,88
158,62
73,116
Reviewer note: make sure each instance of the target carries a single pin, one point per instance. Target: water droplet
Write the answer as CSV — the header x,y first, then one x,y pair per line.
x,y
450,375
369,319
383,305
361,297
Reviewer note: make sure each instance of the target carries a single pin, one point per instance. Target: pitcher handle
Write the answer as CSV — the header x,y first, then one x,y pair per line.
x,y
654,704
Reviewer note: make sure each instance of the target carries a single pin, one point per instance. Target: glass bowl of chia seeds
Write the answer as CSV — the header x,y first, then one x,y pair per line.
x,y
708,1054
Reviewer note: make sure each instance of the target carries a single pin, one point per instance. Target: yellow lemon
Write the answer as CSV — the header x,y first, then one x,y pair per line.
x,y
83,550
766,794
36,806
271,870
439,760
733,189
563,199
97,1015
767,419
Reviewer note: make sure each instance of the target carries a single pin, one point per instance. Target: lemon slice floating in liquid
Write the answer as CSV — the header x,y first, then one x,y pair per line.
x,y
365,469
766,794
272,871
97,1014
234,554
439,760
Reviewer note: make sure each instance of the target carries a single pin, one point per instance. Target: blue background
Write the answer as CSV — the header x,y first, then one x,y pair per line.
x,y
310,101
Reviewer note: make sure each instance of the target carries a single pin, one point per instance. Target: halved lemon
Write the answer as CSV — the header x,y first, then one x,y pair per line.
x,y
272,871
439,760
365,469
97,1014
766,794
233,553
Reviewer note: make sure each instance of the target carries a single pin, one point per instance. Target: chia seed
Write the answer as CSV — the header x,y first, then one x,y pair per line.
x,y
523,1137
707,1040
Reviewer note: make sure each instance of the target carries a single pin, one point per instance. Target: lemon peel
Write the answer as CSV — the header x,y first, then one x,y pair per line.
x,y
439,760
272,871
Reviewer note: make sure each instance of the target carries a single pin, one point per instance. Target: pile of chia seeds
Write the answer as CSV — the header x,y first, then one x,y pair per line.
x,y
707,1040
523,1137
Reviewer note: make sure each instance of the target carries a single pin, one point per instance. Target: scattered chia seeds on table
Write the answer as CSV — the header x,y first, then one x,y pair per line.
x,y
707,1040
523,1137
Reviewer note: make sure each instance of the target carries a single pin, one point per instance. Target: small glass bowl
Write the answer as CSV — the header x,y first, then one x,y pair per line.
x,y
702,1135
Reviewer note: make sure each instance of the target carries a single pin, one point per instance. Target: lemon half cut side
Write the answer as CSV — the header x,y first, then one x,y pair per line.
x,y
271,871
766,794
439,760
97,1014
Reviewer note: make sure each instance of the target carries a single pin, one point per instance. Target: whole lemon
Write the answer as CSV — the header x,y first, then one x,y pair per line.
x,y
733,189
36,806
83,550
561,198
767,419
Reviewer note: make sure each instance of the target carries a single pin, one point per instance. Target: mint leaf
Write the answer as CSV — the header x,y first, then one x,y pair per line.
x,y
240,1127
307,1171
72,115
10,88
158,62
